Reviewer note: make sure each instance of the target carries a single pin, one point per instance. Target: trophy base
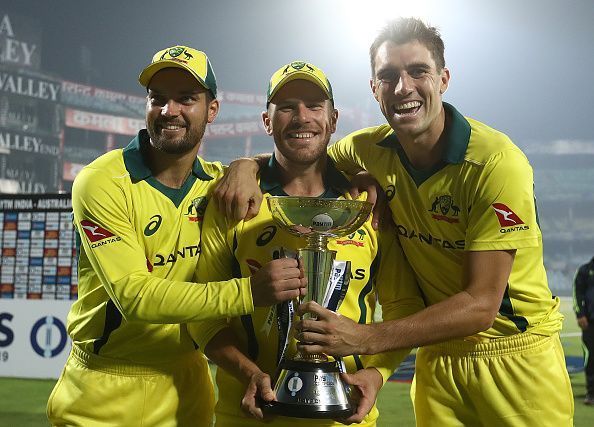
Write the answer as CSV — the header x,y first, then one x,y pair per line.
x,y
310,390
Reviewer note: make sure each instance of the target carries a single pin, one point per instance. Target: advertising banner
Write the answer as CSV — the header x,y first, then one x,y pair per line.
x,y
20,39
33,338
102,122
24,172
90,97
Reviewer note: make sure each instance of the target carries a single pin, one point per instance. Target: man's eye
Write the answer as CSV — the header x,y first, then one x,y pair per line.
x,y
157,100
417,72
388,77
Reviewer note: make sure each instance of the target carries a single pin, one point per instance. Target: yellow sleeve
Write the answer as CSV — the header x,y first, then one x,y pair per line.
x,y
100,201
399,296
216,265
503,209
343,154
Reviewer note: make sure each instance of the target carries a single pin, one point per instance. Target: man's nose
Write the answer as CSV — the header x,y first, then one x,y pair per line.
x,y
404,85
170,109
301,114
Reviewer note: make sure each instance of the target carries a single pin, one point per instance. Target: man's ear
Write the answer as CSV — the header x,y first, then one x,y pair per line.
x,y
445,80
213,110
374,87
267,122
333,119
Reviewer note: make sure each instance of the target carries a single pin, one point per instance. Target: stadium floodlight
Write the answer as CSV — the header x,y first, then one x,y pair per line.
x,y
366,18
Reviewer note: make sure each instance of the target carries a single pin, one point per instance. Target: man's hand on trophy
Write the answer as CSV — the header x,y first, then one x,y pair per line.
x,y
237,194
277,281
259,391
365,385
364,181
330,333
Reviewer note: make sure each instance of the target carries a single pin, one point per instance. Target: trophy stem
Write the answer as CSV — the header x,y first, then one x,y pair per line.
x,y
317,241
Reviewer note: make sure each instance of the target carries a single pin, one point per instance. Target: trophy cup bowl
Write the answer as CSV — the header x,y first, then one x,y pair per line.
x,y
309,386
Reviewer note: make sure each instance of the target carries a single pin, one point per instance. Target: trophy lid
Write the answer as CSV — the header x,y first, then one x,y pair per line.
x,y
308,216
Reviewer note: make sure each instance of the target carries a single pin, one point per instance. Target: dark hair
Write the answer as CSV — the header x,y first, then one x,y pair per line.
x,y
404,30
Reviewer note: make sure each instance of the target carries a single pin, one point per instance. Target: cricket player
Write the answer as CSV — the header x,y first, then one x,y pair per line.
x,y
301,118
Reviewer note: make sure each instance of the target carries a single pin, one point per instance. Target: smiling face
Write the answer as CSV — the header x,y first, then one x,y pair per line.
x,y
177,111
409,86
301,119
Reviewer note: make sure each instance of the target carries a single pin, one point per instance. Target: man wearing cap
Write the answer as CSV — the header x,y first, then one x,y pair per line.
x,y
138,215
301,118
461,195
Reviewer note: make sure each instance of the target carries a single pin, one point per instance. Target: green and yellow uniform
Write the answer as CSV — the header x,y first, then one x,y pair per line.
x,y
479,197
238,251
138,254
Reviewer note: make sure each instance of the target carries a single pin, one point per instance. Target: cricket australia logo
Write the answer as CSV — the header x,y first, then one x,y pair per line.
x,y
298,65
174,52
444,209
355,239
196,209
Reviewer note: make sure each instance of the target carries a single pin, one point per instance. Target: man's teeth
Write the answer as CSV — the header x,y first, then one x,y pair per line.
x,y
172,127
302,135
408,106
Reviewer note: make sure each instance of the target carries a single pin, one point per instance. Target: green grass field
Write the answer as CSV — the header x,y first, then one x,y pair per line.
x,y
22,402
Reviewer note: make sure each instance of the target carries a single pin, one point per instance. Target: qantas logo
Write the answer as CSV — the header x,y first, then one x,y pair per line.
x,y
94,232
508,218
98,236
253,265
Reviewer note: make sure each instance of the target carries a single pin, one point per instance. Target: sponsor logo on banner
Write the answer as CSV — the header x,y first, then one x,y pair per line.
x,y
102,122
85,96
29,143
235,129
28,86
508,219
444,209
19,41
34,342
48,336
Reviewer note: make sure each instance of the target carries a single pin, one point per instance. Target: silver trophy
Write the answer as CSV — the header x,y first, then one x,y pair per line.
x,y
309,386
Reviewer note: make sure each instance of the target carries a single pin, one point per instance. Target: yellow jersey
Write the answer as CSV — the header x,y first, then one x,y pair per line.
x,y
479,197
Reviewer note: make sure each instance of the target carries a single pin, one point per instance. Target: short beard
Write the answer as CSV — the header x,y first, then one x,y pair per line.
x,y
192,138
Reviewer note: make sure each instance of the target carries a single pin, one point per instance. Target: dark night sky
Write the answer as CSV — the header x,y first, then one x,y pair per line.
x,y
524,67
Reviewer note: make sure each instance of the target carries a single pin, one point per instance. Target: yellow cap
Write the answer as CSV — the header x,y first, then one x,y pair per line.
x,y
187,58
298,70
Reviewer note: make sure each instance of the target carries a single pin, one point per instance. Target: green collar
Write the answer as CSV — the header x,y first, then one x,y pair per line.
x,y
456,136
335,182
138,169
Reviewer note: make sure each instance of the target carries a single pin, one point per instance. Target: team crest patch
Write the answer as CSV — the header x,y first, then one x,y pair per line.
x,y
444,209
98,236
196,209
508,219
